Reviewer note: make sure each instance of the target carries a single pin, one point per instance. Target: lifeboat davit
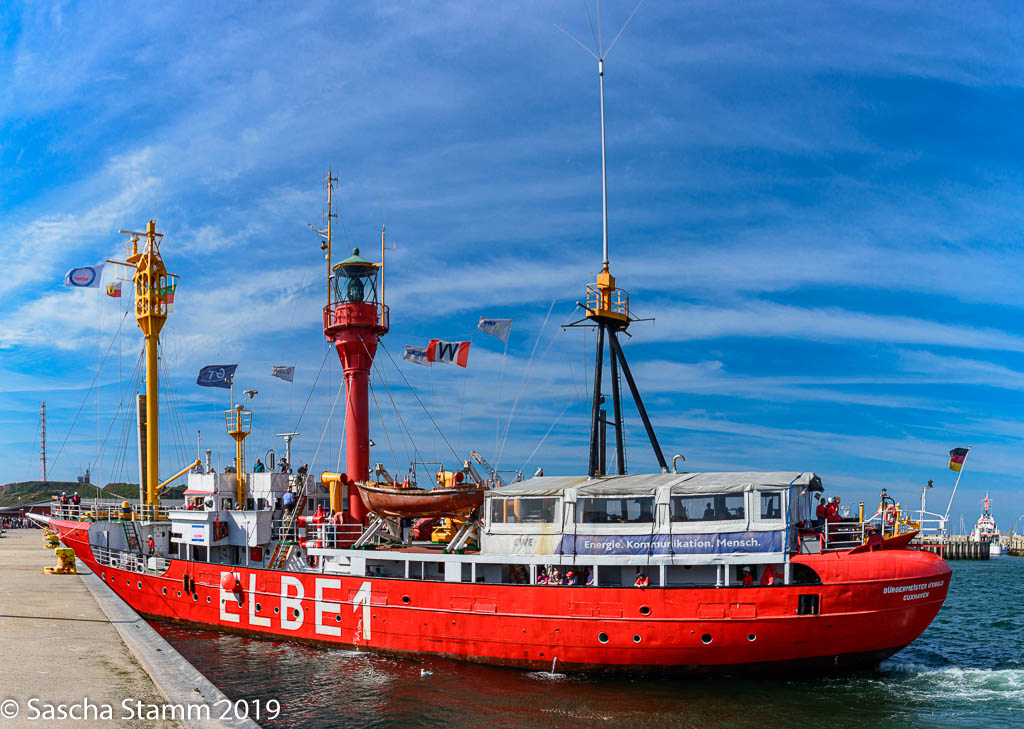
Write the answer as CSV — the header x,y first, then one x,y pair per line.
x,y
411,503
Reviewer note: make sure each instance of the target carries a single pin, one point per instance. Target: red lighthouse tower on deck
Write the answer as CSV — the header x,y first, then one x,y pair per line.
x,y
354,320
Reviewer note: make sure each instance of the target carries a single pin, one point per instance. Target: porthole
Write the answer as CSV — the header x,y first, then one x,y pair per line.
x,y
406,599
195,597
140,585
751,637
706,638
258,607
602,637
337,618
295,613
103,575
645,610
163,590
277,610
207,599
128,583
636,638
240,603
179,593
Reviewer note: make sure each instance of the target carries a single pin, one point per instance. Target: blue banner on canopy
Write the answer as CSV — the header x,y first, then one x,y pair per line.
x,y
216,376
724,543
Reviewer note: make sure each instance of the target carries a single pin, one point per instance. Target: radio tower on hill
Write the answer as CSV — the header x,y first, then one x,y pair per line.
x,y
42,438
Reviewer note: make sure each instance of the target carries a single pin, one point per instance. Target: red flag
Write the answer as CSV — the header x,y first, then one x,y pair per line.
x,y
456,353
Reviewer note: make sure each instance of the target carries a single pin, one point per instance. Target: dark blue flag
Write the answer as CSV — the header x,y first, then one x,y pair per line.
x,y
216,376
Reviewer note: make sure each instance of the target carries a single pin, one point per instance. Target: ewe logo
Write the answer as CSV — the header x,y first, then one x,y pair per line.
x,y
83,276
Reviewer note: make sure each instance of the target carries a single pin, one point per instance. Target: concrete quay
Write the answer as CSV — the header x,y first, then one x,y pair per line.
x,y
68,642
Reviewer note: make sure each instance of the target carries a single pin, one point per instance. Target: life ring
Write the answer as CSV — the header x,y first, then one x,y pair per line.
x,y
889,515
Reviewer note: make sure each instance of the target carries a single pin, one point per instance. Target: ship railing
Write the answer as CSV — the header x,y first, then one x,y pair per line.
x,y
130,561
285,530
843,535
108,512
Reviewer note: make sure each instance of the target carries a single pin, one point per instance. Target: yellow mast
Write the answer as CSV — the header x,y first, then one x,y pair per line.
x,y
152,283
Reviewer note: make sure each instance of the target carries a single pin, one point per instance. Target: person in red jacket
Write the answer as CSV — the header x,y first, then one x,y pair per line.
x,y
769,576
819,514
832,510
151,545
748,577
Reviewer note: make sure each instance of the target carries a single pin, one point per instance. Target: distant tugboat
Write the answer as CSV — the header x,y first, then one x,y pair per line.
x,y
986,531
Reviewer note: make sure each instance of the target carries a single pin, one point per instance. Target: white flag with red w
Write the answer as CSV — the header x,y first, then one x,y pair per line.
x,y
456,353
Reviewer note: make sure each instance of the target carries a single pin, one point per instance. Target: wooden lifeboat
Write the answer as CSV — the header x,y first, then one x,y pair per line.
x,y
412,503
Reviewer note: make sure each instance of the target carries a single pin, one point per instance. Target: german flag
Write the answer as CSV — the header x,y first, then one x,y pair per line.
x,y
956,458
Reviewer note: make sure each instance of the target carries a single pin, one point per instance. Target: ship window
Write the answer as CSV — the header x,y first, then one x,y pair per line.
x,y
808,605
771,505
635,510
523,510
711,507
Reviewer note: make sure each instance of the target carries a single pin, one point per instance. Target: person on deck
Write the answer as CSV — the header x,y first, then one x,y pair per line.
x,y
770,575
76,499
819,513
303,470
283,465
642,580
288,501
832,510
258,467
150,545
709,512
748,577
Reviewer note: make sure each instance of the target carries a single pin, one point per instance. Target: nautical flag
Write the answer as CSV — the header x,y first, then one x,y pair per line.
x,y
956,458
416,355
499,328
86,277
285,373
456,353
114,290
216,376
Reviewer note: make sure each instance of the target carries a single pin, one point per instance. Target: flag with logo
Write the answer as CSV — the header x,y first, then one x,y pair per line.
x,y
216,376
84,277
114,290
499,328
416,355
454,353
956,458
167,295
285,373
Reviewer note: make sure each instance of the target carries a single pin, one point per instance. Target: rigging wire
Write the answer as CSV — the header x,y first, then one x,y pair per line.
x,y
117,411
385,429
413,391
534,452
401,420
311,390
53,464
522,386
323,432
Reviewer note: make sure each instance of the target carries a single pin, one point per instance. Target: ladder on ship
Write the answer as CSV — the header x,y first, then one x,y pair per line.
x,y
131,535
287,539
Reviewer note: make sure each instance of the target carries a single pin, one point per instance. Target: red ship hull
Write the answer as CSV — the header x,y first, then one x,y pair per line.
x,y
872,604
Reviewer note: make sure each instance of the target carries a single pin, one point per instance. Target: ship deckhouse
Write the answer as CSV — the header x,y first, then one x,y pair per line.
x,y
676,518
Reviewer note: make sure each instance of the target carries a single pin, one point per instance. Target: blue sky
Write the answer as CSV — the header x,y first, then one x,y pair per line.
x,y
819,204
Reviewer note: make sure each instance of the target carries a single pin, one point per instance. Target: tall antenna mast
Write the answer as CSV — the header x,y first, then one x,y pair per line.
x,y
42,438
600,57
607,306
